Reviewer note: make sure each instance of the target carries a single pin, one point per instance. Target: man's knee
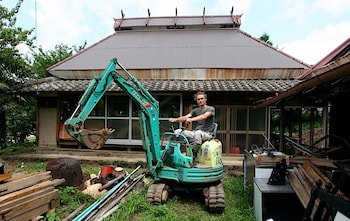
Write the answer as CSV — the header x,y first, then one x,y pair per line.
x,y
201,136
178,131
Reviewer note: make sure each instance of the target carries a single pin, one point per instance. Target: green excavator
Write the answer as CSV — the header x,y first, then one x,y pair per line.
x,y
169,157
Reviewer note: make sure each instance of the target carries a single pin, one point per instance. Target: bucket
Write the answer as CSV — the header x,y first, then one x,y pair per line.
x,y
235,150
106,170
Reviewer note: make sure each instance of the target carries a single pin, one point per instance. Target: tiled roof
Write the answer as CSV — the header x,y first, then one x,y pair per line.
x,y
238,85
178,49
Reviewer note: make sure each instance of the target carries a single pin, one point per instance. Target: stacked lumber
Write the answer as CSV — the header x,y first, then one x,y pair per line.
x,y
304,176
28,196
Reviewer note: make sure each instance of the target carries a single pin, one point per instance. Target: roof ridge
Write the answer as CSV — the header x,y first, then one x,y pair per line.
x,y
177,21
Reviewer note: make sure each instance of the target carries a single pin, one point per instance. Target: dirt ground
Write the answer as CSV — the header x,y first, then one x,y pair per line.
x,y
11,165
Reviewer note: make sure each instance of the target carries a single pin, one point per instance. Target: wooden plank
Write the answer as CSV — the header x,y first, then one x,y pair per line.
x,y
318,175
31,214
299,189
25,182
317,172
4,177
5,206
314,160
262,159
307,182
301,176
24,192
50,198
57,182
19,176
311,173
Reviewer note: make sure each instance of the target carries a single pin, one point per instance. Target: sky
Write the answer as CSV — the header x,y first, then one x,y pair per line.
x,y
307,30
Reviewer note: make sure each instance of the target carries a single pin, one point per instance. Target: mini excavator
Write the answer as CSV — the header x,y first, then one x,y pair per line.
x,y
169,157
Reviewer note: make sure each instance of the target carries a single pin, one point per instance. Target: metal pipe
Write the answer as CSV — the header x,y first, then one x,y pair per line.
x,y
114,204
104,198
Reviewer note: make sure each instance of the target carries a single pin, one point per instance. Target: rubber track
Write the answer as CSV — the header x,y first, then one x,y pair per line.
x,y
215,198
155,192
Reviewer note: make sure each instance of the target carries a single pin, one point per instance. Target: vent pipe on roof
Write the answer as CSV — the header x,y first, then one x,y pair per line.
x,y
203,15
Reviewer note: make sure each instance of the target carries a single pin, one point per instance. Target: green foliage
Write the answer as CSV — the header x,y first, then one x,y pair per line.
x,y
265,38
71,199
20,120
44,59
31,167
17,114
16,149
52,216
13,67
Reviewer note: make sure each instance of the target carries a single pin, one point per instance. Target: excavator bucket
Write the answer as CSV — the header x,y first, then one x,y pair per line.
x,y
95,139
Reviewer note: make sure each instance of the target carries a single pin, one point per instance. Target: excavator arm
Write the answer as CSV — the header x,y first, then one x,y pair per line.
x,y
92,95
148,113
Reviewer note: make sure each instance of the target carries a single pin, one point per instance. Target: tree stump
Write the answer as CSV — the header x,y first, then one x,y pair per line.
x,y
67,168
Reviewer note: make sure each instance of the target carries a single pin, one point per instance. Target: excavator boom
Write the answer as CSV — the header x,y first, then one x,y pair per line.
x,y
95,139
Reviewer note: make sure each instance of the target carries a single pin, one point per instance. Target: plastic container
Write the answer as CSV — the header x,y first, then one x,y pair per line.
x,y
106,170
235,150
210,153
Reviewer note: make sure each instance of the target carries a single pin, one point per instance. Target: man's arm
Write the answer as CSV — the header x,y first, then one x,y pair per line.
x,y
180,119
199,117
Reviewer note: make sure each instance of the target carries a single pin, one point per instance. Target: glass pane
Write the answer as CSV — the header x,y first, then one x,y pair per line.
x,y
136,130
240,141
165,126
256,119
275,120
169,106
121,128
99,109
237,140
118,106
220,117
94,124
256,139
135,109
241,119
68,104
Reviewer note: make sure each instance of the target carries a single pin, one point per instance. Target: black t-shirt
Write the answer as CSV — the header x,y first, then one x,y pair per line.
x,y
207,124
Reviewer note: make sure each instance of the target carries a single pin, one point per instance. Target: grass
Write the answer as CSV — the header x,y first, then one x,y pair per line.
x,y
180,207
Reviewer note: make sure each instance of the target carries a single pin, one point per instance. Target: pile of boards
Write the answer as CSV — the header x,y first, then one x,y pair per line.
x,y
304,176
26,196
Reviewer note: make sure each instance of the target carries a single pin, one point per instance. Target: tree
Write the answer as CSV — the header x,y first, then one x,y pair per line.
x,y
21,121
14,68
17,68
266,38
42,59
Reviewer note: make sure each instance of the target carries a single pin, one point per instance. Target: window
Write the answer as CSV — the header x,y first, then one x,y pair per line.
x,y
118,106
241,127
121,113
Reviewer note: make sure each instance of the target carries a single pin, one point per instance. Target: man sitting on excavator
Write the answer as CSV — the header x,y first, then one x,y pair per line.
x,y
204,116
